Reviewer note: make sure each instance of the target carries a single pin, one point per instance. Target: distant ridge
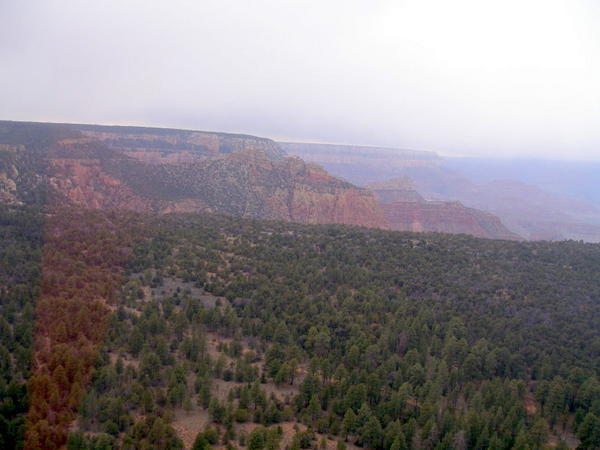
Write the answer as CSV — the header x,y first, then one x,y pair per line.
x,y
541,200
165,170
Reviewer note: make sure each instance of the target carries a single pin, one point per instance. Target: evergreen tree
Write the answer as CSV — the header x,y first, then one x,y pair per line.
x,y
589,432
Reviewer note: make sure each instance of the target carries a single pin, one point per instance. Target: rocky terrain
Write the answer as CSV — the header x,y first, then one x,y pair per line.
x,y
523,207
445,217
161,170
396,190
167,171
407,210
358,163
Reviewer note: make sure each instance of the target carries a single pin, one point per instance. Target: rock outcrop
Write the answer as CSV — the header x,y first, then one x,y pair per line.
x,y
358,163
524,208
163,171
406,210
445,217
396,190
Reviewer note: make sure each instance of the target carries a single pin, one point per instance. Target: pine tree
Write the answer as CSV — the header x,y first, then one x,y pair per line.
x,y
350,422
200,443
538,434
314,408
399,443
371,434
589,432
257,439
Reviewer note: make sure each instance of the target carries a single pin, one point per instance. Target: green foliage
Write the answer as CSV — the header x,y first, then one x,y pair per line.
x,y
393,340
20,254
152,432
589,432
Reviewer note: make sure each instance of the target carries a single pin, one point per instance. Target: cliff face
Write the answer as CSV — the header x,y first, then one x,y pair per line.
x,y
445,217
157,170
525,209
396,190
551,213
360,164
406,210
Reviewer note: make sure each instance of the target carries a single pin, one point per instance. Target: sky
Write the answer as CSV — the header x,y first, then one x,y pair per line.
x,y
507,78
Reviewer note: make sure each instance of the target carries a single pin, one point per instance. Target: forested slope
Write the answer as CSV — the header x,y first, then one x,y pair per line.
x,y
20,252
367,337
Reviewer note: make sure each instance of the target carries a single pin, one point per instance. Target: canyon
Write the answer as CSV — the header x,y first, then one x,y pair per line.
x,y
407,210
162,171
504,189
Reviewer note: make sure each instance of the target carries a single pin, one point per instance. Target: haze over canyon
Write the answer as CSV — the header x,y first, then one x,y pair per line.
x,y
165,170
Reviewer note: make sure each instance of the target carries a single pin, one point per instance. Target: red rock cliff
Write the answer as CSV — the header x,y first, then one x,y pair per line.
x,y
162,170
445,217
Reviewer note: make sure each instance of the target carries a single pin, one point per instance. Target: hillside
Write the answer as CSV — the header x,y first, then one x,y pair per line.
x,y
224,329
534,199
406,210
166,171
445,217
125,327
525,209
162,170
359,163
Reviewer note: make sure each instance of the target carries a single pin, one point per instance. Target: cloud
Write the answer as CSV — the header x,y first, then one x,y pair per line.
x,y
510,78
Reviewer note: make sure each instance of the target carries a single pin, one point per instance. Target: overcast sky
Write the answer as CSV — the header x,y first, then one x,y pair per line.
x,y
463,77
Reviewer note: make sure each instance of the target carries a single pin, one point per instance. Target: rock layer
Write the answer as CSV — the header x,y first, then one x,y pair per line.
x,y
406,210
445,217
162,170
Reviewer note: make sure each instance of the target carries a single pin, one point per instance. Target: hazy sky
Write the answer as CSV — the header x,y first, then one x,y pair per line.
x,y
471,77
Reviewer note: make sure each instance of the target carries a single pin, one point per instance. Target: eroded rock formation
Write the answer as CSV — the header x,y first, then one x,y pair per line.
x,y
159,170
406,210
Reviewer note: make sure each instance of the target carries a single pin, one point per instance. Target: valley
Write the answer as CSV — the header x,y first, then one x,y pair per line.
x,y
176,289
299,225
538,200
